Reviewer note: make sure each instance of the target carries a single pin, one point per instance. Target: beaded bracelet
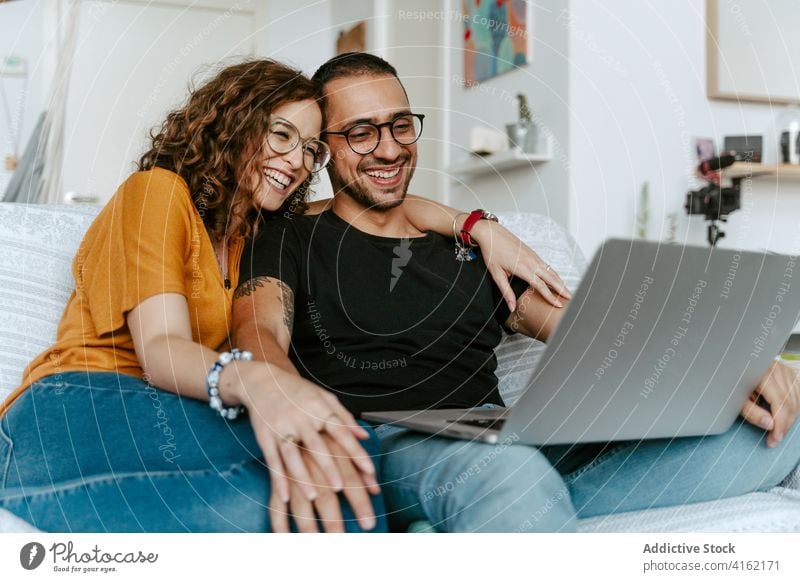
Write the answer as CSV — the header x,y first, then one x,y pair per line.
x,y
212,383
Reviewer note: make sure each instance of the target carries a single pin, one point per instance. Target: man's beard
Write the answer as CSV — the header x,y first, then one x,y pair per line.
x,y
362,194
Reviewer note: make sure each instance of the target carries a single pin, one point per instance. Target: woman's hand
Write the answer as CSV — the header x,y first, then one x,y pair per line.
x,y
780,388
305,433
506,255
326,506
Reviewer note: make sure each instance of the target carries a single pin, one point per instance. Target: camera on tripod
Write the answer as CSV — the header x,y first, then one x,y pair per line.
x,y
714,201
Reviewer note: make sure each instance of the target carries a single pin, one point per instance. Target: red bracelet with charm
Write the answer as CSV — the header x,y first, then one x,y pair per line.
x,y
470,222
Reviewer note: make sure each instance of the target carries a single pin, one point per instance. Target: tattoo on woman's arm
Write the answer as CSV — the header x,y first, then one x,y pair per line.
x,y
286,296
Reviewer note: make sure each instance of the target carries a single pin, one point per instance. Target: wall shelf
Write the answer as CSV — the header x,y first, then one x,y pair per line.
x,y
494,164
743,170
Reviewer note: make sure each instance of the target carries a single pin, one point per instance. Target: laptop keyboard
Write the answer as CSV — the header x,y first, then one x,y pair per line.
x,y
487,423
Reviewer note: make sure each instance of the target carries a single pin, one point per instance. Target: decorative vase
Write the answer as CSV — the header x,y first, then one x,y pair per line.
x,y
789,125
523,136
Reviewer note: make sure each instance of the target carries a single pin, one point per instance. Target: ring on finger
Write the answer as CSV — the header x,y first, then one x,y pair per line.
x,y
290,439
548,268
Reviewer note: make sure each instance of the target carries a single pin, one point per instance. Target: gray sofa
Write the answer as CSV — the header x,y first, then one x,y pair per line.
x,y
37,244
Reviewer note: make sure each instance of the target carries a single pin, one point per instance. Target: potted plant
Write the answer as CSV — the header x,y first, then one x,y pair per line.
x,y
523,134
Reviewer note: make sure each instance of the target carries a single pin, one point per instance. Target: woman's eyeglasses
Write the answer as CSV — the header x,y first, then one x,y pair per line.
x,y
364,138
283,137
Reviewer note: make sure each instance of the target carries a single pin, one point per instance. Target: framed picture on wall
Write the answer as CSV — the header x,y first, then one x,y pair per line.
x,y
753,51
704,149
497,37
353,40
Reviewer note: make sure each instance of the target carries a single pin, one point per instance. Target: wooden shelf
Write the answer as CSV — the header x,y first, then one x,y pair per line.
x,y
749,170
496,163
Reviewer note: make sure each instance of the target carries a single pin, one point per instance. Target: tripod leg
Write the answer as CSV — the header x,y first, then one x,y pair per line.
x,y
714,234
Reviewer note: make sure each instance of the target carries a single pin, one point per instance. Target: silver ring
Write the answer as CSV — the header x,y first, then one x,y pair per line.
x,y
548,268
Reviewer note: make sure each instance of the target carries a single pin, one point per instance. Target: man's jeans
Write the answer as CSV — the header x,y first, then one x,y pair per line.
x,y
107,452
463,486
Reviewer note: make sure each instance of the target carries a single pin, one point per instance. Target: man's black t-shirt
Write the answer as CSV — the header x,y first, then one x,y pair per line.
x,y
384,323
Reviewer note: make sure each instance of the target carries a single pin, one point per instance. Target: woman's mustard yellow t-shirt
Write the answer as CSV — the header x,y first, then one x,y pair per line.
x,y
149,239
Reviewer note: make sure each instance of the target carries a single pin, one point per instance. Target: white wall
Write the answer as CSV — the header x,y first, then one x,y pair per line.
x,y
414,48
621,86
21,35
299,33
345,14
543,188
133,64
637,96
135,60
303,33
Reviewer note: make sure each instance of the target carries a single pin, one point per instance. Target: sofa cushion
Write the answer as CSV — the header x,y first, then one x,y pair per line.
x,y
775,511
38,243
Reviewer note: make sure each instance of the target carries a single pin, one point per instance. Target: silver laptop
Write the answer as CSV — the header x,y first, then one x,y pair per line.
x,y
659,340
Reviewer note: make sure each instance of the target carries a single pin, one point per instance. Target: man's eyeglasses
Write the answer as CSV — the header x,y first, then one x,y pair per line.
x,y
283,137
364,138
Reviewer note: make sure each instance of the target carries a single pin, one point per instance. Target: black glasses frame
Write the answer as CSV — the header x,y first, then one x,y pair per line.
x,y
300,142
379,128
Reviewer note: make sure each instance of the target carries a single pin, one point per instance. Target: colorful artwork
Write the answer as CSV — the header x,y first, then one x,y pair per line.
x,y
496,38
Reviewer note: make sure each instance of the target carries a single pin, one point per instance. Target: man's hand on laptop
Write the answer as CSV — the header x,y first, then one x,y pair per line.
x,y
780,389
358,486
506,255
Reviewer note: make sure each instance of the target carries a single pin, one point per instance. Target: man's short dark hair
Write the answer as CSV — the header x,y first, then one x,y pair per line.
x,y
352,64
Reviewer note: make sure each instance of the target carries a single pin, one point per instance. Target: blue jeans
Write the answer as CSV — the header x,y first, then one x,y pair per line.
x,y
108,452
463,486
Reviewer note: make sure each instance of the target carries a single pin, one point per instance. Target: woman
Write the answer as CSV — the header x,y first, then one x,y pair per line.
x,y
117,426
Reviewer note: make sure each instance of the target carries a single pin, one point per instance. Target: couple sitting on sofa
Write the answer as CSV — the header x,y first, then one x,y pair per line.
x,y
205,290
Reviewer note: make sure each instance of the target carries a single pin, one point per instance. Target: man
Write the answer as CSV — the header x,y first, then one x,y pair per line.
x,y
385,317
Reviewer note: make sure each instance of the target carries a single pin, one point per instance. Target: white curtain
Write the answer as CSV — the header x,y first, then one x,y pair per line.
x,y
37,177
50,190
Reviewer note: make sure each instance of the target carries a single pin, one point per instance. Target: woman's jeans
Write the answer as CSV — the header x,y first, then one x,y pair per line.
x,y
108,452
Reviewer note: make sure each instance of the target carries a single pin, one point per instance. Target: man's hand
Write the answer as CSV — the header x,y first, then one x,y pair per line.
x,y
780,388
358,485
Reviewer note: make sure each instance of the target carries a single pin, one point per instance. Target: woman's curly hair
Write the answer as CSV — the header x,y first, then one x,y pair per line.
x,y
212,142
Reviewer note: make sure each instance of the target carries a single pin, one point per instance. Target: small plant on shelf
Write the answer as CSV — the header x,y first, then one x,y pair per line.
x,y
525,116
523,134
